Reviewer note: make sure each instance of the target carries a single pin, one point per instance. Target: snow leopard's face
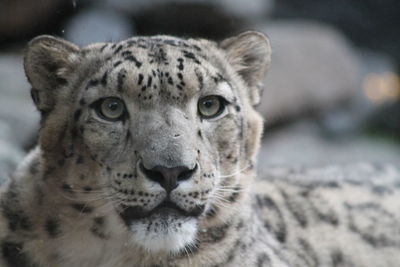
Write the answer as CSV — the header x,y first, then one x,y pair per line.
x,y
166,124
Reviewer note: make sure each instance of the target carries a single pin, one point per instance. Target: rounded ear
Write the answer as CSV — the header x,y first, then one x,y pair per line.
x,y
249,53
48,62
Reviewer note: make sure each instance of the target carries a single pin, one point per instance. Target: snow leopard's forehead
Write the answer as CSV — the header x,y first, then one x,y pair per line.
x,y
164,67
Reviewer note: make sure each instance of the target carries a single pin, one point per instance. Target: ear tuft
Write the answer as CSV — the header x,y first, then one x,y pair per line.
x,y
48,62
249,53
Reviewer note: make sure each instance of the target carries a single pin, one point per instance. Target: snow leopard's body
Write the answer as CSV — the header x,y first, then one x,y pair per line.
x,y
165,183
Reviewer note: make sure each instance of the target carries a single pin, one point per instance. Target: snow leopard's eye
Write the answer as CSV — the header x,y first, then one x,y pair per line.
x,y
110,108
211,106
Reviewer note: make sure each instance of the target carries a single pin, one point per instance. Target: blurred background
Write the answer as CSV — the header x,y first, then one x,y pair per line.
x,y
332,94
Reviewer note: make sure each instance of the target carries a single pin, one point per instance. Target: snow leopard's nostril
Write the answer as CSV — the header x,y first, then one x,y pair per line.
x,y
168,178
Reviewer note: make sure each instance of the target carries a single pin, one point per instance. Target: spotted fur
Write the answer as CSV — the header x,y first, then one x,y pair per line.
x,y
83,197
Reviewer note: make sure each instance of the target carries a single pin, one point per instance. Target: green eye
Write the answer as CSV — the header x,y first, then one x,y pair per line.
x,y
211,106
111,108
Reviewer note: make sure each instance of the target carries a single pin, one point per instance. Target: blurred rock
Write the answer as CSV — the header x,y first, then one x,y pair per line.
x,y
385,120
313,69
10,152
16,107
18,116
21,20
98,25
381,98
370,23
187,19
304,144
250,9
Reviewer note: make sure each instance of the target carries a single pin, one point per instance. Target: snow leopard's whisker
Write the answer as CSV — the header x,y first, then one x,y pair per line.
x,y
229,190
235,173
188,255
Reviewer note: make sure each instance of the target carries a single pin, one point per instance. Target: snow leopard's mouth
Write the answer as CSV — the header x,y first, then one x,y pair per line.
x,y
166,209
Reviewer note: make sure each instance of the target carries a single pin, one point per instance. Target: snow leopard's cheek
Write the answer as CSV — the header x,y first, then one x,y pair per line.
x,y
226,142
104,141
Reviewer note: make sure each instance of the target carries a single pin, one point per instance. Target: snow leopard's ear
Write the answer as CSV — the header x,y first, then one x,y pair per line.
x,y
48,62
249,53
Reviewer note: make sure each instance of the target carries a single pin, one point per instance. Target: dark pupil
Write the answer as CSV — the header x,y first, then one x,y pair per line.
x,y
113,106
208,103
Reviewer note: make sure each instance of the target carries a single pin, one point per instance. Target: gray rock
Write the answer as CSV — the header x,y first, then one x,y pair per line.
x,y
304,144
10,153
16,107
18,116
98,25
250,9
24,18
313,68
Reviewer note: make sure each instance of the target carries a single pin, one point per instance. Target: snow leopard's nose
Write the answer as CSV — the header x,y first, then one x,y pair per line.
x,y
168,178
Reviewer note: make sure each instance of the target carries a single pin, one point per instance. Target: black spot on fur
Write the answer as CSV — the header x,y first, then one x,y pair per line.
x,y
217,79
77,114
196,47
149,80
17,219
103,47
263,260
308,253
337,258
118,49
99,220
83,208
216,234
80,159
126,53
120,79
97,228
158,56
116,64
39,195
190,55
67,188
92,83
103,80
52,227
87,188
14,255
368,219
140,79
74,134
235,195
277,226
61,81
180,65
296,209
133,59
